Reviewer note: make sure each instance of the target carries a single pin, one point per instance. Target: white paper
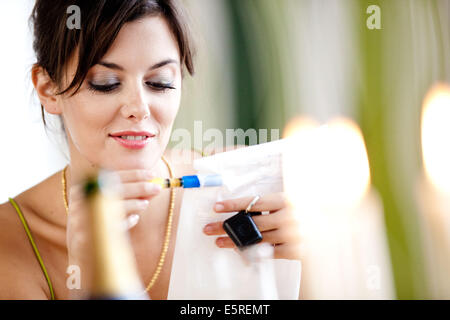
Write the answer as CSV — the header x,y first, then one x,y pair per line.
x,y
200,269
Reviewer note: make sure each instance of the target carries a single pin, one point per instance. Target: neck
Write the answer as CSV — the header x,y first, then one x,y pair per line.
x,y
80,167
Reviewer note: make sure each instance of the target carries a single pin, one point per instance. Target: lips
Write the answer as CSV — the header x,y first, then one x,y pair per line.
x,y
132,139
133,134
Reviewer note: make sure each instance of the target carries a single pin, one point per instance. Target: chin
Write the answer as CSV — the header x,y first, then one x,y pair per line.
x,y
135,161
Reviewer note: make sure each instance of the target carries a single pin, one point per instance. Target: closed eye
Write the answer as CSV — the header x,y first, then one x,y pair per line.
x,y
159,86
103,88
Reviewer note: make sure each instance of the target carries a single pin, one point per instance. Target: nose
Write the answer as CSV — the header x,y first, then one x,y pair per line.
x,y
136,106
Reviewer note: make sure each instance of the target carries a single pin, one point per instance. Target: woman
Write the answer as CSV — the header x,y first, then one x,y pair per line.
x,y
116,85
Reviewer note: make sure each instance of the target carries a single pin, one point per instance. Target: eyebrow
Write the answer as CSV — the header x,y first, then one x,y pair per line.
x,y
114,66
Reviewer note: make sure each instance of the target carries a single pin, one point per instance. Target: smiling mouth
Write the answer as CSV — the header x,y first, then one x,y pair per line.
x,y
133,140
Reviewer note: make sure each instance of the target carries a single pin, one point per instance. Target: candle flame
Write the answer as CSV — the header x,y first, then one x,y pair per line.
x,y
436,136
326,166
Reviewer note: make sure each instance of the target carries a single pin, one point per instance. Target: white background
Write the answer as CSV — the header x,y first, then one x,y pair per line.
x,y
28,156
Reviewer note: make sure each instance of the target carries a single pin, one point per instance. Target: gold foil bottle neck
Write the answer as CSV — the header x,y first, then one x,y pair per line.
x,y
115,274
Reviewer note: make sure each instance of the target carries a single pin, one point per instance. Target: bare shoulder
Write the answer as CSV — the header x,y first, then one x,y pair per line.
x,y
9,229
20,272
17,271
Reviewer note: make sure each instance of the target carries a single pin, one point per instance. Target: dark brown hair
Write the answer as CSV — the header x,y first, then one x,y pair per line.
x,y
101,20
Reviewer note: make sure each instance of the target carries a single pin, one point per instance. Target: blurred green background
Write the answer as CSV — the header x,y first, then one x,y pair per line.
x,y
262,62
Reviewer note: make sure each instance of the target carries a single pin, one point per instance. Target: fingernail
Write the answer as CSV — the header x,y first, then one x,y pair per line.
x,y
208,229
133,220
220,242
219,207
154,187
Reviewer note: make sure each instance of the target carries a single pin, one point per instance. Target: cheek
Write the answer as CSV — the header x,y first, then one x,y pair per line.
x,y
86,119
165,109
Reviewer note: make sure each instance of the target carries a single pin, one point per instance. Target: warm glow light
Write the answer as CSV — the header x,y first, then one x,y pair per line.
x,y
297,132
299,124
436,137
326,166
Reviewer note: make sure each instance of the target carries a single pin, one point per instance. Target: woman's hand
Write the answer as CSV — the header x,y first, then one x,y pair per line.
x,y
279,227
136,194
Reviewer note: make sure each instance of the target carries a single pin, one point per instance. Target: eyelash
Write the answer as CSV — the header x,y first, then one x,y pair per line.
x,y
160,87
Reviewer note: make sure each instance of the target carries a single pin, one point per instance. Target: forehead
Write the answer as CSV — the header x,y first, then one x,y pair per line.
x,y
146,41
140,44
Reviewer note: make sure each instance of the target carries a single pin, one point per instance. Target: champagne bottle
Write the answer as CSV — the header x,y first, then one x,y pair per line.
x,y
114,270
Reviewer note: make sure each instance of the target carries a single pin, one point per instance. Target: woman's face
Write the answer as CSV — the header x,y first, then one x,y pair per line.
x,y
134,90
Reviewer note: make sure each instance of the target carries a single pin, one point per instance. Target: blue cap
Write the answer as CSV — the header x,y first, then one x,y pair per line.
x,y
190,182
212,180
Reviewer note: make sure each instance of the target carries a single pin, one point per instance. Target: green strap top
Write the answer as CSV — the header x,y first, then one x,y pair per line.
x,y
36,251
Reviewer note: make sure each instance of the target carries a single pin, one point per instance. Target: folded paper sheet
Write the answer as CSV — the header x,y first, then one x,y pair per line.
x,y
200,269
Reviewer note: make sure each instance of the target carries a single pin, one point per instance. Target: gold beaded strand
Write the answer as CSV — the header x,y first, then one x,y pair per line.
x,y
165,248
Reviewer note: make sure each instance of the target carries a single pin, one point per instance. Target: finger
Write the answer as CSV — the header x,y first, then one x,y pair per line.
x,y
75,193
270,202
277,237
281,236
135,175
77,209
263,223
272,221
287,251
214,229
135,206
225,242
273,237
143,190
79,242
